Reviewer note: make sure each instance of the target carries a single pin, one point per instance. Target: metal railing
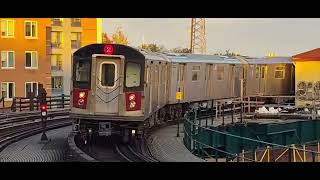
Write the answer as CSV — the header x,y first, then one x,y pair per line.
x,y
195,132
31,104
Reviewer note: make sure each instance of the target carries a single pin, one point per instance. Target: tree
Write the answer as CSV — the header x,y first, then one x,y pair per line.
x,y
106,39
119,38
227,53
152,47
181,50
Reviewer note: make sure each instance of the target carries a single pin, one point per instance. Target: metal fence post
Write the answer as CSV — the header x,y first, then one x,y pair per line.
x,y
50,102
241,112
20,103
289,154
232,112
14,105
62,98
222,114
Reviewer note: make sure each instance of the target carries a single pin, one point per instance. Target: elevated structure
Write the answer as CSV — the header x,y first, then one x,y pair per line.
x,y
198,36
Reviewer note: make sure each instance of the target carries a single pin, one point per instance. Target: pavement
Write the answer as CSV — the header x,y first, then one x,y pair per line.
x,y
167,147
32,150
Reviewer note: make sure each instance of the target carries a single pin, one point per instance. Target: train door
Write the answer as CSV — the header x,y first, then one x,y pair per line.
x,y
107,85
148,89
156,85
244,79
207,80
237,79
231,78
263,73
211,80
180,78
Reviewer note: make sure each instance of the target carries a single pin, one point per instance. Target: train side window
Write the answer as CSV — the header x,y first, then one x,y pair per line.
x,y
82,71
195,73
279,72
107,74
220,73
133,71
257,72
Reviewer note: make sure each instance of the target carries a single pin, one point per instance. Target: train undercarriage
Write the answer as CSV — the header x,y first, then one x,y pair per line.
x,y
91,128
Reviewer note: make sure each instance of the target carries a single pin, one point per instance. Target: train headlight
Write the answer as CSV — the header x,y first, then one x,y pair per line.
x,y
82,95
132,97
132,104
133,132
133,101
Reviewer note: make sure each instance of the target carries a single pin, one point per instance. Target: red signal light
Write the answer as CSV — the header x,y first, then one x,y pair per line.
x,y
43,107
108,49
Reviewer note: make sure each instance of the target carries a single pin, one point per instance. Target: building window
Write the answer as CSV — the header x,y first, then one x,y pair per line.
x,y
7,28
107,75
220,73
75,40
195,73
31,87
257,72
57,83
75,22
31,29
133,71
7,59
56,39
56,21
31,59
7,90
56,62
279,72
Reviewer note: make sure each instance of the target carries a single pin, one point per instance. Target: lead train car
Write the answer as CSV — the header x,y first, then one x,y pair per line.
x,y
109,86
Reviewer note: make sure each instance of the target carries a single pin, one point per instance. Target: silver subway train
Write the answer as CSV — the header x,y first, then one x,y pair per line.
x,y
117,88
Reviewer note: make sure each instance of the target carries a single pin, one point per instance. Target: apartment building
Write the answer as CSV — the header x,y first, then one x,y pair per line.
x,y
39,50
68,35
24,56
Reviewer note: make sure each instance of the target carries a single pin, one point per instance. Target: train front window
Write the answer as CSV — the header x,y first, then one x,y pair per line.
x,y
82,71
107,74
133,71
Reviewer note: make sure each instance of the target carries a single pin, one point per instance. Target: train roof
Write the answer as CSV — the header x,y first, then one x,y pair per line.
x,y
200,58
154,56
270,60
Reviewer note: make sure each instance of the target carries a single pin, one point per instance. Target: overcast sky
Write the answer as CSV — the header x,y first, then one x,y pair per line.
x,y
250,36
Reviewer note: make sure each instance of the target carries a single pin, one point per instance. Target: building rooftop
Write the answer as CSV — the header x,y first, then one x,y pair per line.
x,y
312,55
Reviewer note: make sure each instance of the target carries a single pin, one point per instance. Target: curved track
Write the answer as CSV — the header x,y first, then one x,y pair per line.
x,y
20,126
110,149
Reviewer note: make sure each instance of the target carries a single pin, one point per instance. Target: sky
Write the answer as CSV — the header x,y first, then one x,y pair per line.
x,y
246,36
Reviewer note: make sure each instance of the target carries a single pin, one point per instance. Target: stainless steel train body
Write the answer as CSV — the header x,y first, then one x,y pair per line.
x,y
116,88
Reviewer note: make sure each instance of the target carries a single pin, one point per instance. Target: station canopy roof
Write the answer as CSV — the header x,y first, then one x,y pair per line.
x,y
313,55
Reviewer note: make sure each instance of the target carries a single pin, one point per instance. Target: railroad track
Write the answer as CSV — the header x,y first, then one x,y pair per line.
x,y
133,154
110,149
20,126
